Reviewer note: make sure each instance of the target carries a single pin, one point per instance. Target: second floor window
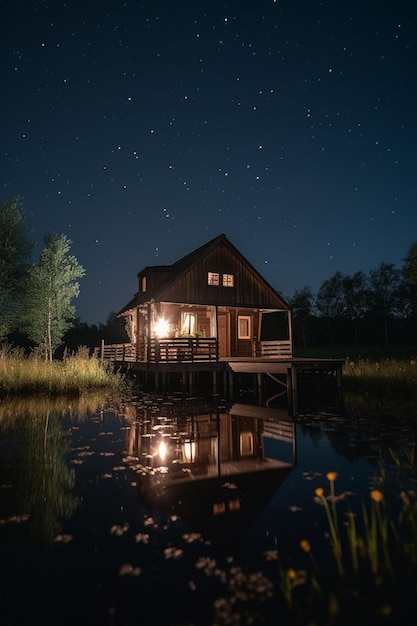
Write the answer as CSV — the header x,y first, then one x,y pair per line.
x,y
213,278
228,280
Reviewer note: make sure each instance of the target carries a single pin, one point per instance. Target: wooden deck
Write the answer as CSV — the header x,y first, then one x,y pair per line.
x,y
188,358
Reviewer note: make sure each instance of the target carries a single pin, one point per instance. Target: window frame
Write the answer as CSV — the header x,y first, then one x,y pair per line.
x,y
228,280
213,279
247,319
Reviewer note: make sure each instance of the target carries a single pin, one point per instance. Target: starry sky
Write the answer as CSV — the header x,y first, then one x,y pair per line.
x,y
143,129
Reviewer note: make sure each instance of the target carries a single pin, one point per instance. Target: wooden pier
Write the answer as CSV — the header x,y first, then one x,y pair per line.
x,y
182,365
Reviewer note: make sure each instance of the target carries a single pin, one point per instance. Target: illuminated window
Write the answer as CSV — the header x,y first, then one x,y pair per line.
x,y
188,324
243,327
213,279
143,288
228,280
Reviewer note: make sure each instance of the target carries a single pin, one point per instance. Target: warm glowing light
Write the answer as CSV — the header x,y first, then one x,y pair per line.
x,y
377,496
161,327
162,450
331,476
305,545
292,574
189,451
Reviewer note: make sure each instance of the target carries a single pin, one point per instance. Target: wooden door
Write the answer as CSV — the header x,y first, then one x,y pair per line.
x,y
223,337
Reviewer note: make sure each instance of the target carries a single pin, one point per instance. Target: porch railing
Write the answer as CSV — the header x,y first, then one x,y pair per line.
x,y
274,348
177,349
182,349
117,352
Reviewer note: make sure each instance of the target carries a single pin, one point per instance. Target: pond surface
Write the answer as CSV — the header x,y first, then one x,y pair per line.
x,y
180,511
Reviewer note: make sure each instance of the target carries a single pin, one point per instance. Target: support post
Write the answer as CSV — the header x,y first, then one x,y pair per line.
x,y
294,389
259,387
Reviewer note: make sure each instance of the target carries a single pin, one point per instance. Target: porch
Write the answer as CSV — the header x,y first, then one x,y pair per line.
x,y
185,350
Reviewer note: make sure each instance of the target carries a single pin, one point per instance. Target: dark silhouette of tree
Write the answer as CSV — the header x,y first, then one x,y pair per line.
x,y
355,298
385,288
302,304
410,275
114,331
330,301
410,265
15,250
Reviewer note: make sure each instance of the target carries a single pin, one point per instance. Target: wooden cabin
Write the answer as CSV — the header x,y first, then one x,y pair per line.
x,y
211,304
211,312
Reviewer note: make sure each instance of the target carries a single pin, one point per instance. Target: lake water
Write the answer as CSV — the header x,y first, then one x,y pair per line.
x,y
178,511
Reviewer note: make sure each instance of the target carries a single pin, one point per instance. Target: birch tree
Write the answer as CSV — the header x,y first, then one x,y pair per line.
x,y
52,285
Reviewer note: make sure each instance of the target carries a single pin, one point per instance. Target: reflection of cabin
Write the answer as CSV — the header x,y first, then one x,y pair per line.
x,y
214,468
210,311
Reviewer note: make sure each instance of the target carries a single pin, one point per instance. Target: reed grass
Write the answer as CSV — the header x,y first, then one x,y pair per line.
x,y
76,373
374,574
388,384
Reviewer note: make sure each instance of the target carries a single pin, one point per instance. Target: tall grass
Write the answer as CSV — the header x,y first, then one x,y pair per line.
x,y
76,373
388,384
373,578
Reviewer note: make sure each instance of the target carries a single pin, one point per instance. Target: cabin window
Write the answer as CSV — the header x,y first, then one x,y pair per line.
x,y
228,280
143,284
188,324
243,327
213,279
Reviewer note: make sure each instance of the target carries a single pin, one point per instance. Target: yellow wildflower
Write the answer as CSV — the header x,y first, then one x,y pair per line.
x,y
376,495
304,544
331,476
319,492
292,574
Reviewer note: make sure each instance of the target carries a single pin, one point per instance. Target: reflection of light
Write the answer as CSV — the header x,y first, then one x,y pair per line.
x,y
189,451
161,327
162,450
219,508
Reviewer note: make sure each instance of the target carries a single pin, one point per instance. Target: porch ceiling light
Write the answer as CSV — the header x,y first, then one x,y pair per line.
x,y
161,327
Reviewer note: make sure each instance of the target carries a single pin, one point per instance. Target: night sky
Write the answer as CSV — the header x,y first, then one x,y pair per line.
x,y
143,129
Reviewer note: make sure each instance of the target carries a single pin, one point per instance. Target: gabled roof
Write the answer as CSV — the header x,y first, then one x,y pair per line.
x,y
178,269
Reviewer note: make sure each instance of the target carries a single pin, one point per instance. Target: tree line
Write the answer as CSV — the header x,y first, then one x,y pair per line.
x,y
374,308
37,310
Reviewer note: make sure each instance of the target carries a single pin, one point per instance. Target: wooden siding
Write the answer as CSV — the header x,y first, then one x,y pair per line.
x,y
249,289
153,275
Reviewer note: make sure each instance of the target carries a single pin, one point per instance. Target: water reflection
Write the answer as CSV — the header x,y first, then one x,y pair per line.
x,y
107,507
208,466
37,483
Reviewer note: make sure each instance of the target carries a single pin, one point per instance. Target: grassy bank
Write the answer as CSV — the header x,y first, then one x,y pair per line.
x,y
379,379
76,373
388,385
